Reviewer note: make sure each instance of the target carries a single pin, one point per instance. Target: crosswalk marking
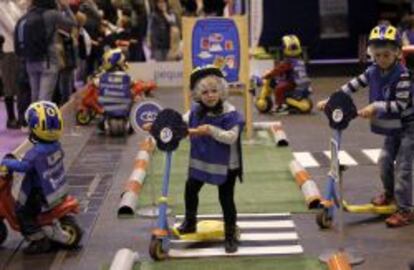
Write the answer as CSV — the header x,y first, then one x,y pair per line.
x,y
306,159
260,235
344,158
372,154
242,251
261,224
321,159
239,215
257,237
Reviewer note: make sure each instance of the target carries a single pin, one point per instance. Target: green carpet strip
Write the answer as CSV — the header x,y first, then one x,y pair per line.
x,y
267,187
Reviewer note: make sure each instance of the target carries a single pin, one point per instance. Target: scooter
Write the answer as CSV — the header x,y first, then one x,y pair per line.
x,y
58,224
298,101
340,110
168,129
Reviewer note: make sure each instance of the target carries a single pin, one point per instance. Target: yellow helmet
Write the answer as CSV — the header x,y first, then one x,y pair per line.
x,y
113,58
291,46
384,34
44,120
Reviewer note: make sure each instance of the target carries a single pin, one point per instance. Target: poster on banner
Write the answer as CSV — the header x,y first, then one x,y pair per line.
x,y
334,18
216,41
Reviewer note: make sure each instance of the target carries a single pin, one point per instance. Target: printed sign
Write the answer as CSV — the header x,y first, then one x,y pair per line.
x,y
142,113
216,41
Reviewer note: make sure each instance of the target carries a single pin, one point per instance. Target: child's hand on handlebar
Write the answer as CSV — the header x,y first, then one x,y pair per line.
x,y
321,104
147,126
367,111
202,130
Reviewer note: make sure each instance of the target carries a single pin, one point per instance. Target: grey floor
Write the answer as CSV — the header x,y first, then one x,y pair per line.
x,y
108,162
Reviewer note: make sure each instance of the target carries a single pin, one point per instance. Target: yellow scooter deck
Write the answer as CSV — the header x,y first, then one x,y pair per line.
x,y
207,230
369,208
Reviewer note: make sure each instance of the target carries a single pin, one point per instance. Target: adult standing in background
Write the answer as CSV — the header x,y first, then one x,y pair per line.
x,y
11,68
43,69
162,19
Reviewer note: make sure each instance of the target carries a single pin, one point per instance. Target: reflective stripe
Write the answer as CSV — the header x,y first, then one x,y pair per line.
x,y
56,197
208,167
407,112
114,100
386,123
108,92
109,108
403,84
22,198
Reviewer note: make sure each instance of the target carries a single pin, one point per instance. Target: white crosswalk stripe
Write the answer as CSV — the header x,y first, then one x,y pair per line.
x,y
261,234
372,154
344,158
306,159
316,159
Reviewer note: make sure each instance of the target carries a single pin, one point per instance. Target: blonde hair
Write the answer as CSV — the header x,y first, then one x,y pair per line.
x,y
211,82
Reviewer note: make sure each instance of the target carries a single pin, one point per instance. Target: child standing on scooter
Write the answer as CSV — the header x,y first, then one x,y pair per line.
x,y
215,155
44,185
290,73
391,113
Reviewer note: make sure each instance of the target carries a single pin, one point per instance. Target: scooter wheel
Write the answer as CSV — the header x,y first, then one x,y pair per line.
x,y
264,105
83,117
323,219
117,127
3,232
69,225
155,249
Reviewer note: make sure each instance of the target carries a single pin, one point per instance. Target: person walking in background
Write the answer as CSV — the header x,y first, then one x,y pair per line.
x,y
162,19
35,41
8,63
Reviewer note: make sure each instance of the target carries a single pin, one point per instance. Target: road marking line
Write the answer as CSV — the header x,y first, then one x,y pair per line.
x,y
255,237
261,224
344,158
306,159
242,251
373,154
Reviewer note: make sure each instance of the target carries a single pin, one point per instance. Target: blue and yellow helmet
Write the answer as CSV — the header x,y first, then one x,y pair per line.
x,y
44,120
113,58
291,46
384,34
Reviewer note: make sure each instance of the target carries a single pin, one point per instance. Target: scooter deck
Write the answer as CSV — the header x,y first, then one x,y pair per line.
x,y
207,230
370,208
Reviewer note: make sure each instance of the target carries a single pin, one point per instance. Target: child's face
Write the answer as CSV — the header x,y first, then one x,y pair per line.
x,y
385,57
210,97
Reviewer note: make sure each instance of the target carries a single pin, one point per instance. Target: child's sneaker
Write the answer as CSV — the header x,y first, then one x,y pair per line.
x,y
282,109
382,200
188,226
400,218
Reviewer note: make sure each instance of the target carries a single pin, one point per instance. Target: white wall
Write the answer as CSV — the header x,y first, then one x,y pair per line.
x,y
170,74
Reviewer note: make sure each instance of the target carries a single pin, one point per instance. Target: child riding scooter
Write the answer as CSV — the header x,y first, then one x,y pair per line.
x,y
42,210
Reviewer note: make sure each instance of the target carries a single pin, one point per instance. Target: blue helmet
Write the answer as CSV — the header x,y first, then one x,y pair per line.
x,y
44,120
384,34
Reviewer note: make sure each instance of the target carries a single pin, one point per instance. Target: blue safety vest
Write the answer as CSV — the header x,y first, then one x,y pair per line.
x,y
383,88
46,172
299,75
115,93
209,159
